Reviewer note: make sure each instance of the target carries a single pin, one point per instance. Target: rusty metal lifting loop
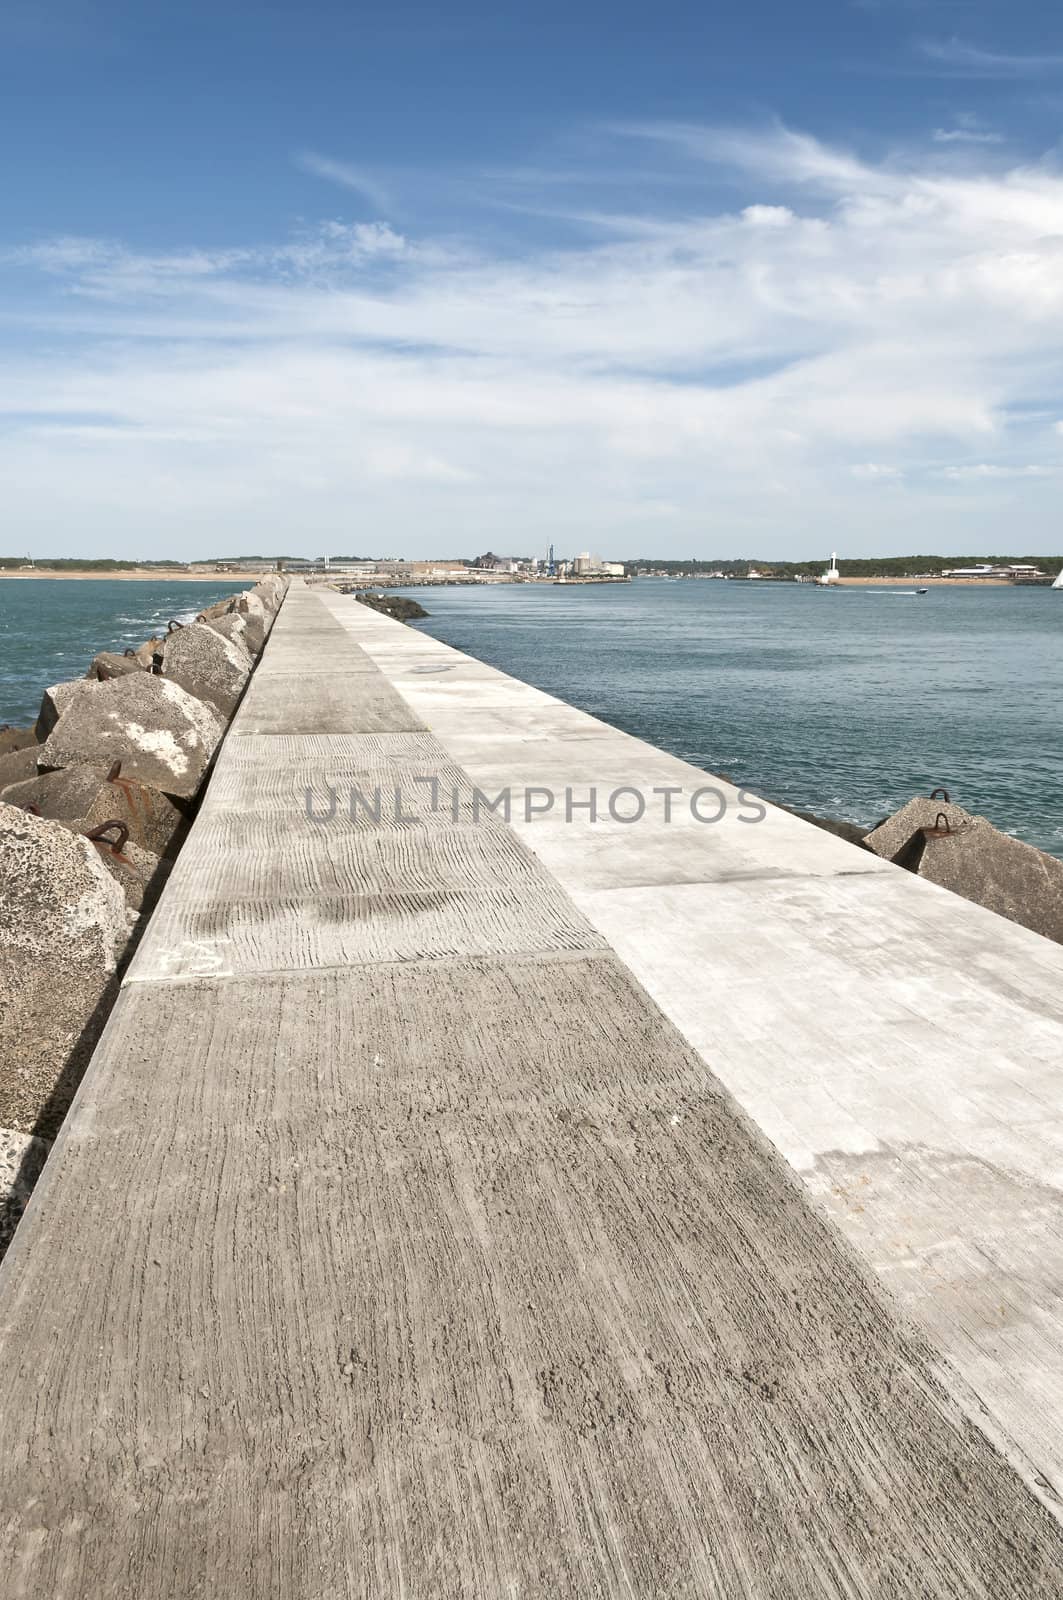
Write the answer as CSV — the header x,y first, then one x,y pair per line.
x,y
115,769
129,651
940,794
174,627
98,835
942,828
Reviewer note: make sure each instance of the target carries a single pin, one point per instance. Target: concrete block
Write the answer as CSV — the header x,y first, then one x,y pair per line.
x,y
1001,873
63,925
897,834
270,594
977,861
257,620
139,874
64,795
18,765
163,736
208,665
55,701
109,664
220,608
232,626
82,796
12,739
147,652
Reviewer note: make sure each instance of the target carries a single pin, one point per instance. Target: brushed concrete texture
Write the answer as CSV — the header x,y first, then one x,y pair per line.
x,y
299,702
899,1045
263,894
340,656
344,781
461,1281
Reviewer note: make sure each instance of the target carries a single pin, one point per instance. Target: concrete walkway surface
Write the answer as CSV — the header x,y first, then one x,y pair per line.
x,y
421,1226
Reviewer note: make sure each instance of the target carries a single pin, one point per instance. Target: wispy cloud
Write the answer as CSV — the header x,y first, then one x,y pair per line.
x,y
989,469
349,177
960,59
966,136
728,374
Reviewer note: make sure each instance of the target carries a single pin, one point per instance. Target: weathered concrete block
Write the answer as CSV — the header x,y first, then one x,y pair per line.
x,y
65,795
146,652
12,739
220,608
894,836
63,926
269,592
55,701
83,797
163,736
109,664
977,861
18,765
139,874
155,823
208,665
257,620
233,627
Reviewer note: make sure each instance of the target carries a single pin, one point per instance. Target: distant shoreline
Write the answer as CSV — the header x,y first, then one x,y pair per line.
x,y
160,575
944,583
389,580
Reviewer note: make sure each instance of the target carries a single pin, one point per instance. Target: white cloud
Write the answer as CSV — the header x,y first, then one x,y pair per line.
x,y
768,216
726,376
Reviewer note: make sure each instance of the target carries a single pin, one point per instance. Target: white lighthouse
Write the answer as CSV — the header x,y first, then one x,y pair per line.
x,y
832,574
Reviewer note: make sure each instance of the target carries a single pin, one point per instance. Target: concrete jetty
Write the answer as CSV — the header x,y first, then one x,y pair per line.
x,y
469,1205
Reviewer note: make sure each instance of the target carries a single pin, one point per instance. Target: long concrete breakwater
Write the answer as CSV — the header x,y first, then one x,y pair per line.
x,y
461,1203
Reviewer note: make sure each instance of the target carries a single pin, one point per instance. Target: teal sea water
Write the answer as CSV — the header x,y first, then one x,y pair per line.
x,y
845,703
50,629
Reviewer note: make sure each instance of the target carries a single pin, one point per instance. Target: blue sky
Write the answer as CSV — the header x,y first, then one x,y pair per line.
x,y
688,280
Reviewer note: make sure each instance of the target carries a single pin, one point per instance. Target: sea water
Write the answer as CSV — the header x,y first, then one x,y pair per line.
x,y
51,628
844,702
